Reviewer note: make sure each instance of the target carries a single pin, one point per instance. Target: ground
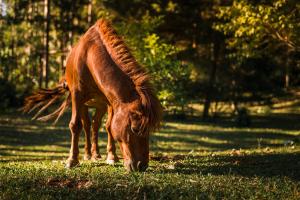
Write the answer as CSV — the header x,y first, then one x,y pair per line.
x,y
189,160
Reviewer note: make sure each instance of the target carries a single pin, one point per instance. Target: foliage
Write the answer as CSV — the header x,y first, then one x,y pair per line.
x,y
254,31
182,44
170,76
255,26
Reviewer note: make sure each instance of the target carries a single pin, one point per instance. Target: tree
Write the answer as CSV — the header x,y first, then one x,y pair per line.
x,y
47,12
255,27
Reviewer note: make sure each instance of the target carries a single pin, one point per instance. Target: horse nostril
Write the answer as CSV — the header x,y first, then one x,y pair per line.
x,y
135,166
141,166
135,130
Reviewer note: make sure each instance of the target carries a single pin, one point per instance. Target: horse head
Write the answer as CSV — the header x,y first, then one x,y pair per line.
x,y
128,128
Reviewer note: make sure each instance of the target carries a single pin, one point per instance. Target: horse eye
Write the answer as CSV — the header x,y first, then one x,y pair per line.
x,y
135,116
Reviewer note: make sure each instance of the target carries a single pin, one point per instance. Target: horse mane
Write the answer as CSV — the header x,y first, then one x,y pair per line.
x,y
121,55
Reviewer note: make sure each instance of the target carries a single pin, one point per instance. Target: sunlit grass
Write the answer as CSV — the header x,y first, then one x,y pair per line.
x,y
188,160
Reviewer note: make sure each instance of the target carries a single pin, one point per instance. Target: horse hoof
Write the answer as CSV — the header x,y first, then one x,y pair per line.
x,y
110,162
111,159
71,163
96,157
87,157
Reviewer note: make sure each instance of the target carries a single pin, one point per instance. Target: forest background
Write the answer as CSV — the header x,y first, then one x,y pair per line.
x,y
210,53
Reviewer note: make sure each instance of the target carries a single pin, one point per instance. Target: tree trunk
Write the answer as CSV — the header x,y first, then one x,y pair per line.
x,y
70,26
30,35
46,41
90,12
62,42
287,70
41,71
208,95
211,82
13,56
1,11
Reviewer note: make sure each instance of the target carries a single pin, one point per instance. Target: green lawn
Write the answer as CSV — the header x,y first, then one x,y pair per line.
x,y
189,160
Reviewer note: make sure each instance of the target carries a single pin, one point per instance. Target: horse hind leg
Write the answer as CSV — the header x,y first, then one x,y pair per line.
x,y
86,122
112,157
75,128
97,118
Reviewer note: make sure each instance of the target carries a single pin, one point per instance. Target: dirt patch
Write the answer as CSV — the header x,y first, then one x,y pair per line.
x,y
69,183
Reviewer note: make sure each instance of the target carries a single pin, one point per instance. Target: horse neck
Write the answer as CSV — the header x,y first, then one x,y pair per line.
x,y
110,79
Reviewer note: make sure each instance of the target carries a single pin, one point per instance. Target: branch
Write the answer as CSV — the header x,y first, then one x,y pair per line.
x,y
280,36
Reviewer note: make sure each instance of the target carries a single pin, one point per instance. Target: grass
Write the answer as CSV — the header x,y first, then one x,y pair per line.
x,y
189,160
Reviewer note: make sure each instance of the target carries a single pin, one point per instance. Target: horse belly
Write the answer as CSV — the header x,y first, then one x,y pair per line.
x,y
96,102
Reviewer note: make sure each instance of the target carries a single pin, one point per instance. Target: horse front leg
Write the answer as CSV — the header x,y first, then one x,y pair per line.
x,y
86,122
111,148
75,128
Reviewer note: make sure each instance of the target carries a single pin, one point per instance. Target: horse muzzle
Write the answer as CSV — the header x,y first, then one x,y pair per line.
x,y
132,166
136,131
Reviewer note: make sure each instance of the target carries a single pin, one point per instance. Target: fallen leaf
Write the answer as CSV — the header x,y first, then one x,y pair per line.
x,y
84,184
170,167
179,157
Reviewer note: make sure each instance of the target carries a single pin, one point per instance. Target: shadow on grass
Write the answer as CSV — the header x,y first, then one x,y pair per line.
x,y
267,165
225,139
32,159
216,139
35,138
21,137
280,121
18,131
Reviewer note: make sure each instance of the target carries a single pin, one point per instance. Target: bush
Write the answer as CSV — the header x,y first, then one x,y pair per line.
x,y
7,94
243,118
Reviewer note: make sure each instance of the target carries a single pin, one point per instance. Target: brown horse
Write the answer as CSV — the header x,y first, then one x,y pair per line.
x,y
102,73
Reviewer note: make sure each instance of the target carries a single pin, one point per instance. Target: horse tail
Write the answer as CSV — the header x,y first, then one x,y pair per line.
x,y
43,98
